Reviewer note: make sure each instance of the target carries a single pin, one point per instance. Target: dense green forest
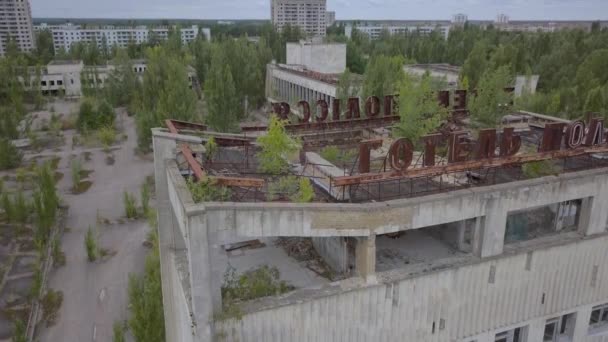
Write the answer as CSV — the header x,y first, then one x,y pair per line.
x,y
572,64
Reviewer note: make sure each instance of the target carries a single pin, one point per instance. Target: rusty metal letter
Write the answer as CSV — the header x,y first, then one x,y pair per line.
x,y
353,112
430,142
486,145
390,105
305,111
509,143
552,137
595,134
401,154
324,111
456,147
335,110
372,106
575,134
365,148
282,110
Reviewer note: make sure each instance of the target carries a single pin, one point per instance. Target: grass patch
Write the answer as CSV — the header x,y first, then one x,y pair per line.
x,y
58,176
82,187
262,282
130,205
51,302
55,163
90,245
85,173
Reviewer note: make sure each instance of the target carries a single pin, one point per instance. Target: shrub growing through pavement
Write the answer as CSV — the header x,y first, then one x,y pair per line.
x,y
90,244
130,206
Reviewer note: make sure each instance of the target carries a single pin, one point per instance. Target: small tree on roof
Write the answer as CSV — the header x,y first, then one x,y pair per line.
x,y
277,147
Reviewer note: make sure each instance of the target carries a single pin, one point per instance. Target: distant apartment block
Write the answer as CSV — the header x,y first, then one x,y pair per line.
x,y
459,19
16,23
330,18
375,29
502,19
308,15
66,35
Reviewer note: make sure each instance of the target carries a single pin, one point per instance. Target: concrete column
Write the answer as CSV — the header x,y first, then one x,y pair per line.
x,y
581,326
164,149
461,227
200,277
594,216
365,258
494,226
536,330
477,236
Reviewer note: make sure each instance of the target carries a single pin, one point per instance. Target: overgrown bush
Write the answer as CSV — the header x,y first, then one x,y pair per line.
x,y
58,254
118,334
95,114
211,148
19,331
336,156
277,146
130,205
90,244
306,192
51,302
147,323
10,156
283,187
45,202
297,190
262,282
107,136
206,190
539,169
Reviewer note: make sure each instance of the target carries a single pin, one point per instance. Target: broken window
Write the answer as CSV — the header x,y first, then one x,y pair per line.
x,y
424,245
514,335
559,329
599,317
528,224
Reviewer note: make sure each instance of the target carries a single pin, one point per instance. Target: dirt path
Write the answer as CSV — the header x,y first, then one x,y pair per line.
x,y
95,294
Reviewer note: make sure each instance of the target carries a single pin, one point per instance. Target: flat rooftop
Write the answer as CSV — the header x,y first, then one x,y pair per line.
x,y
330,160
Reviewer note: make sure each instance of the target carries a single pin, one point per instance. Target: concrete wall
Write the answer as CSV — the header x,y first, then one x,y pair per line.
x,y
334,252
488,296
491,202
323,58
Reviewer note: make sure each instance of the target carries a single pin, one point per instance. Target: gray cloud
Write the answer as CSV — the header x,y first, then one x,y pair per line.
x,y
345,9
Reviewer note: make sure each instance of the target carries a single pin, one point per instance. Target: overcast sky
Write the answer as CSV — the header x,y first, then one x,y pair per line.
x,y
345,9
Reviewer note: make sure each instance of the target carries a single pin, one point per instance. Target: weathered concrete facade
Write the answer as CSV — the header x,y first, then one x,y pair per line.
x,y
324,58
515,288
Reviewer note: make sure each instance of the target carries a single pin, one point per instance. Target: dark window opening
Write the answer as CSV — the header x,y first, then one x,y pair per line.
x,y
529,224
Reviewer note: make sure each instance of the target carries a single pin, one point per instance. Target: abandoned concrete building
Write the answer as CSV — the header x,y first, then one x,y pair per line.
x,y
396,244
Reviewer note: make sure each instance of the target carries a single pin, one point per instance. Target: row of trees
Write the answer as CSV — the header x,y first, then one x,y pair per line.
x,y
571,63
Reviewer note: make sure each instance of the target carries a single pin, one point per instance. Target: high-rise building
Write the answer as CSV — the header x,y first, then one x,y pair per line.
x,y
308,15
330,18
459,19
502,19
16,23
